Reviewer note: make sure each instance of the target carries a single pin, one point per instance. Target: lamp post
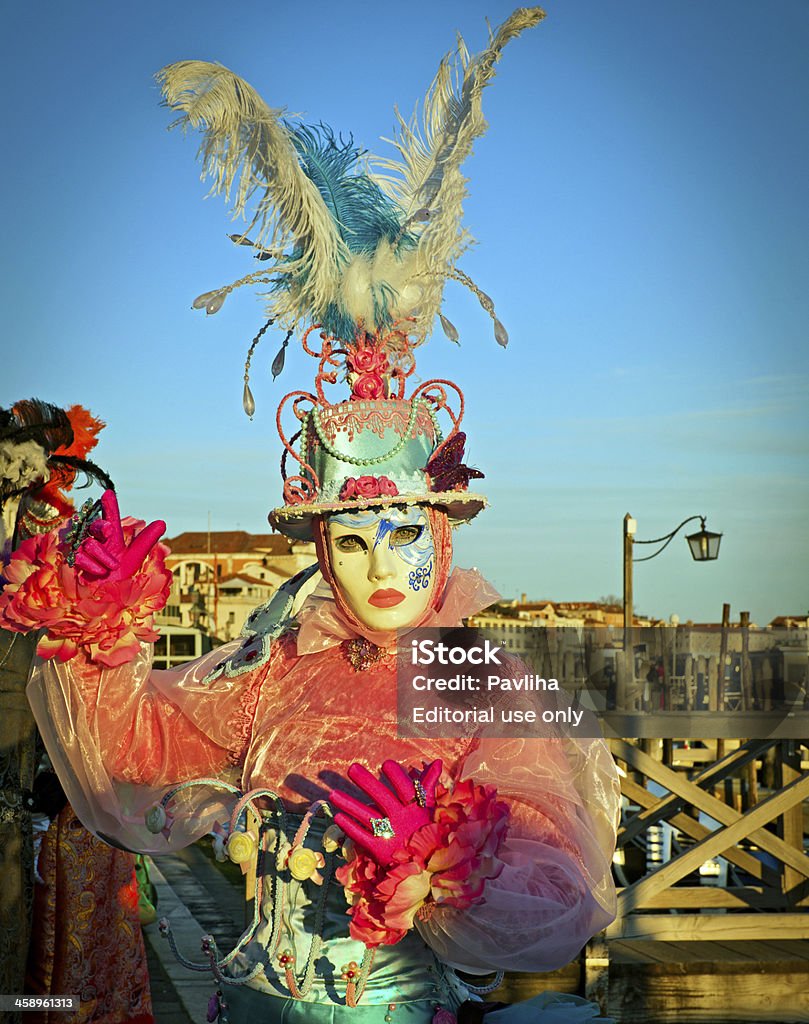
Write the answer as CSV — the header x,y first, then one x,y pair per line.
x,y
704,547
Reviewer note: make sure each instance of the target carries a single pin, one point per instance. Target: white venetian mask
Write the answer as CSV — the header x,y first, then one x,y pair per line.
x,y
384,564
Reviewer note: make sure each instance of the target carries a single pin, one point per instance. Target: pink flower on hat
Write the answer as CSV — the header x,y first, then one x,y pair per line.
x,y
368,487
368,360
367,367
368,386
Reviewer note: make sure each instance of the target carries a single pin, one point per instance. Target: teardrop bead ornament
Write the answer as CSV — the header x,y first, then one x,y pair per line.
x,y
500,334
216,303
278,363
449,329
248,402
201,301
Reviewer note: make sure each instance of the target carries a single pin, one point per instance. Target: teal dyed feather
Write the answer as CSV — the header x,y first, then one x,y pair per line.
x,y
361,211
363,216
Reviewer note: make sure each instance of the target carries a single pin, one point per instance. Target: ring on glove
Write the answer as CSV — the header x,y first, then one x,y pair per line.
x,y
382,828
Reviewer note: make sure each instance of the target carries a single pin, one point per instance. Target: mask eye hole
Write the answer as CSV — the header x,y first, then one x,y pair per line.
x,y
349,543
403,535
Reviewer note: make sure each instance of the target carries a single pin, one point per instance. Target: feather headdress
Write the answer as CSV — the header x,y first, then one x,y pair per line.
x,y
42,448
347,240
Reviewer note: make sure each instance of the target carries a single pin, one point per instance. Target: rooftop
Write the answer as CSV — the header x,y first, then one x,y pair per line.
x,y
231,542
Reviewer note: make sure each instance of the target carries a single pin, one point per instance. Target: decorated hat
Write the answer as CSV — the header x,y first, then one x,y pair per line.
x,y
358,248
377,447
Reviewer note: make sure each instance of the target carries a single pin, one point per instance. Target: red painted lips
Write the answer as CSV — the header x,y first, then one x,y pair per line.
x,y
386,598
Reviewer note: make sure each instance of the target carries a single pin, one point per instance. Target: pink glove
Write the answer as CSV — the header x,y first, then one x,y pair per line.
x,y
104,554
393,817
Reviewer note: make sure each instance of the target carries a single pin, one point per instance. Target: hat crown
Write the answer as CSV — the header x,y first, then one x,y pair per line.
x,y
391,438
377,447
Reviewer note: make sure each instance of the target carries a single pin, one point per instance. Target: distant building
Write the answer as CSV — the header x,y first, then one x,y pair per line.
x,y
219,577
675,666
521,626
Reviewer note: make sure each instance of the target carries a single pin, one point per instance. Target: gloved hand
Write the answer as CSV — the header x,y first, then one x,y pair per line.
x,y
394,816
105,555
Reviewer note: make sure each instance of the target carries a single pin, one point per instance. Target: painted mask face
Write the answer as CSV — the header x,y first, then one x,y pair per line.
x,y
384,564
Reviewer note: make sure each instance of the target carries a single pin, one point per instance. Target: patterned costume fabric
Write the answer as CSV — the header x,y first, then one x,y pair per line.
x,y
17,764
87,939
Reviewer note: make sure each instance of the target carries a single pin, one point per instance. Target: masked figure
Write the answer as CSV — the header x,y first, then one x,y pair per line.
x,y
384,864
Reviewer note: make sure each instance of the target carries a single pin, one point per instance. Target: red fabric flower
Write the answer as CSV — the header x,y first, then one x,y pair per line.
x,y
367,487
365,359
108,619
444,863
368,386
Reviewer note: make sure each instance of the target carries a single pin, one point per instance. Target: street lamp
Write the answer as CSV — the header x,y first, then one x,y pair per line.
x,y
703,545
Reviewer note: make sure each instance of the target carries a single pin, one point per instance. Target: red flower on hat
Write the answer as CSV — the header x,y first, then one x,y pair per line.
x,y
365,359
368,386
368,487
367,367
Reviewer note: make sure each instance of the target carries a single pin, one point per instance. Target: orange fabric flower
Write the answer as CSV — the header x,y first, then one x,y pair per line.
x,y
107,619
444,863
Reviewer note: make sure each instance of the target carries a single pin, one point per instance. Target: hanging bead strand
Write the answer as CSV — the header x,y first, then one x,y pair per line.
x,y
248,402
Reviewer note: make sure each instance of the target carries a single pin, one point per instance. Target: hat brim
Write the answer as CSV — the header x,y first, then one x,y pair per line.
x,y
296,520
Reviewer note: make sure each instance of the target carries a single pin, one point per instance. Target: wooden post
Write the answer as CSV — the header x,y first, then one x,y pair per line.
x,y
747,675
626,678
712,675
792,819
720,674
597,971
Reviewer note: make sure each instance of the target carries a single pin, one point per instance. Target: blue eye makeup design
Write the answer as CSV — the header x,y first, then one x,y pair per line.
x,y
405,530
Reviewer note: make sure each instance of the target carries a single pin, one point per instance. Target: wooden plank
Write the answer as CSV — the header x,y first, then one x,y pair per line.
x,y
765,811
709,777
745,951
792,828
745,825
762,952
707,897
624,951
797,948
641,994
710,927
691,952
746,861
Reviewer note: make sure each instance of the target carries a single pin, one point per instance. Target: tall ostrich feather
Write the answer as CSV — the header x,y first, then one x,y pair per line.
x,y
250,155
428,175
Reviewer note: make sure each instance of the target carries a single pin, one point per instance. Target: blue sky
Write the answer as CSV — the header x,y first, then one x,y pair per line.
x,y
641,208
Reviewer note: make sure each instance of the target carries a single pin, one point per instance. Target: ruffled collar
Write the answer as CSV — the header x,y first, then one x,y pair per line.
x,y
323,626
